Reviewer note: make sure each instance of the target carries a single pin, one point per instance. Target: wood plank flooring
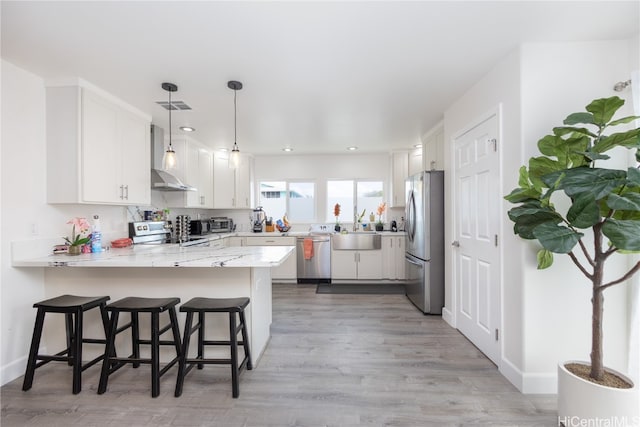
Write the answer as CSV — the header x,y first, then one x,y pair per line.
x,y
333,360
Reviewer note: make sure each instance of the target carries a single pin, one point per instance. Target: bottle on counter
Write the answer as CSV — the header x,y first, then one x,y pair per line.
x,y
96,235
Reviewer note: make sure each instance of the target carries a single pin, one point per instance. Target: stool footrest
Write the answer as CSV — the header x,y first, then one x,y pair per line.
x,y
206,342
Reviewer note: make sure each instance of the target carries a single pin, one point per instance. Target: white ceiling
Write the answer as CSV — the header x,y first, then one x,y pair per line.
x,y
318,76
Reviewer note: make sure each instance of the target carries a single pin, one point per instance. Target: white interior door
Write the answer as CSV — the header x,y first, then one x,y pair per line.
x,y
477,200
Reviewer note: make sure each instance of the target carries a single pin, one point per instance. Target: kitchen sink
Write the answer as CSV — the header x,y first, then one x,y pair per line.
x,y
360,241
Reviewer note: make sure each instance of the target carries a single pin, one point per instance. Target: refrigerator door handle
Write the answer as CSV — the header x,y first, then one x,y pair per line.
x,y
410,261
411,213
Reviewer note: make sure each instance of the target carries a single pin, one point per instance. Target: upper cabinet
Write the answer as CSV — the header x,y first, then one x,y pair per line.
x,y
98,148
232,188
433,146
399,173
195,168
415,161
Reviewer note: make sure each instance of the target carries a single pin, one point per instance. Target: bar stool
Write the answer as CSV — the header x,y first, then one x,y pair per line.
x,y
214,305
135,306
73,307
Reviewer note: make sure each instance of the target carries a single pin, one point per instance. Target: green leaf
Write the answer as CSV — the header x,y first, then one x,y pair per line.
x,y
628,201
565,130
624,120
529,215
576,118
593,156
545,259
523,177
549,145
558,239
541,166
629,139
603,109
598,182
623,234
633,176
584,211
520,195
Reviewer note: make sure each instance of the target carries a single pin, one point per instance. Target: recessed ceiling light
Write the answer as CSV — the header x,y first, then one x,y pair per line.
x,y
287,149
224,149
418,146
187,128
352,148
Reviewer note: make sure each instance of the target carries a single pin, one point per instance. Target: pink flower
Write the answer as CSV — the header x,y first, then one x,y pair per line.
x,y
77,239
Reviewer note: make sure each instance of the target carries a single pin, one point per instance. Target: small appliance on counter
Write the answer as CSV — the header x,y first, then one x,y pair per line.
x,y
183,228
222,225
394,226
150,232
258,217
200,226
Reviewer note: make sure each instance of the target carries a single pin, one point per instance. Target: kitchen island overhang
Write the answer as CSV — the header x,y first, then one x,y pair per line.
x,y
165,271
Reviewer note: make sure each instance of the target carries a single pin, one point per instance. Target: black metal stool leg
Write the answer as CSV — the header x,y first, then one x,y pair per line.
x,y
135,338
33,351
155,354
233,333
201,329
77,353
68,322
109,350
245,341
184,354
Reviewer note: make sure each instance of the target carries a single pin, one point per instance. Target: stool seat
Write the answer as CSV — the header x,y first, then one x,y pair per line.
x,y
73,307
224,305
69,303
200,306
134,306
144,305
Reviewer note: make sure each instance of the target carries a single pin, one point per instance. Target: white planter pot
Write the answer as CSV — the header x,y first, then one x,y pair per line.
x,y
583,403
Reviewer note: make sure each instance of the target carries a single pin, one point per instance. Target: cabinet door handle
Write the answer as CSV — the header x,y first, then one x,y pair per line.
x,y
233,201
126,187
121,192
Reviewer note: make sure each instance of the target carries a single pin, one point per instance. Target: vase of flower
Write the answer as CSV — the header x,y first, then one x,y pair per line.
x,y
381,208
336,213
77,241
75,250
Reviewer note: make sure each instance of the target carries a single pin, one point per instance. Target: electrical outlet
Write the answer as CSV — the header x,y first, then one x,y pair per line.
x,y
34,228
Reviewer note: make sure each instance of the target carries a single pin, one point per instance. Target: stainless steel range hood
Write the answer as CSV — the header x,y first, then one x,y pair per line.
x,y
161,179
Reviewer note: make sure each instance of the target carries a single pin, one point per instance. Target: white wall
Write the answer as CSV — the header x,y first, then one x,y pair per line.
x,y
545,313
500,88
25,213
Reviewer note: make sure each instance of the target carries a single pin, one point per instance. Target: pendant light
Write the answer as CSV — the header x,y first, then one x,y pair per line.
x,y
234,158
169,160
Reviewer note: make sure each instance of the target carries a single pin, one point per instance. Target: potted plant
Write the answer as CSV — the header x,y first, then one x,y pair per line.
x,y
564,196
76,241
381,208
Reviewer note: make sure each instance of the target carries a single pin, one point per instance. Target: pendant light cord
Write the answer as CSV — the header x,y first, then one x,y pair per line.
x,y
170,108
235,118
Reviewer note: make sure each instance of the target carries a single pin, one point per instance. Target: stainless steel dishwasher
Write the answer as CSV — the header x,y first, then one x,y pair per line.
x,y
314,267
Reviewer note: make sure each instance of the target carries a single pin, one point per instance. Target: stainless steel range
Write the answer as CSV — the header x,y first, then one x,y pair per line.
x,y
150,232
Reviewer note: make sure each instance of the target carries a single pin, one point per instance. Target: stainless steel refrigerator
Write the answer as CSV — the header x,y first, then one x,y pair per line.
x,y
424,257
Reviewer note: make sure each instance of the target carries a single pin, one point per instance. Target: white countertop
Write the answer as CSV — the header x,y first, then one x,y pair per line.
x,y
168,256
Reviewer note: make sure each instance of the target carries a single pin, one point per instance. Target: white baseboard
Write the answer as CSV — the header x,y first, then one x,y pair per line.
x,y
529,383
13,370
447,316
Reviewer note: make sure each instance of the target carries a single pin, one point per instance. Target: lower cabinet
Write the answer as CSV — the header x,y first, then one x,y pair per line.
x,y
287,271
393,248
356,265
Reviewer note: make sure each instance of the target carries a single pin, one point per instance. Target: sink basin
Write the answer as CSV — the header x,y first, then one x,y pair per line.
x,y
360,241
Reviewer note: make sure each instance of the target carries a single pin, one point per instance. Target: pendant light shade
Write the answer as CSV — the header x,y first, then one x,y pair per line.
x,y
234,158
169,160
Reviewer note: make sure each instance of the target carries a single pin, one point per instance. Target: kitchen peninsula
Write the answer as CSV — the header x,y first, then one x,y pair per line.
x,y
167,271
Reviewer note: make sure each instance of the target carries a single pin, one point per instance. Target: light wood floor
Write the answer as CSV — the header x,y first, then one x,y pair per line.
x,y
333,360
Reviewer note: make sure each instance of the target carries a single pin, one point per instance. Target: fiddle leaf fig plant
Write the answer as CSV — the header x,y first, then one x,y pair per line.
x,y
603,204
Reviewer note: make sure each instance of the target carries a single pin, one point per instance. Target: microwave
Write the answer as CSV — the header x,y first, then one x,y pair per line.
x,y
221,225
200,227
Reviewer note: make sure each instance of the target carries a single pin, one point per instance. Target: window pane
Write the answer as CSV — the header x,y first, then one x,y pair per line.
x,y
301,202
273,198
369,198
340,192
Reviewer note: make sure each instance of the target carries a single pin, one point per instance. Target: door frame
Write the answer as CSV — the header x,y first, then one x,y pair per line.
x,y
450,313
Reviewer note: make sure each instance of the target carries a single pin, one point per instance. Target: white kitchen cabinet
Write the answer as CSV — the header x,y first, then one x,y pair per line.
x,y
288,269
195,168
393,248
356,265
98,148
235,241
433,144
415,161
232,188
399,173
